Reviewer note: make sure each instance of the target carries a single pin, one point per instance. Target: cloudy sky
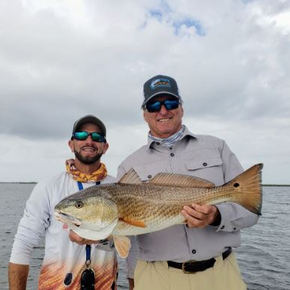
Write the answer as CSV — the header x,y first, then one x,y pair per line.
x,y
62,59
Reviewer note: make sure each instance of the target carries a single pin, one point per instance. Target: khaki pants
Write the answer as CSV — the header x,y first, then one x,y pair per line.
x,y
225,275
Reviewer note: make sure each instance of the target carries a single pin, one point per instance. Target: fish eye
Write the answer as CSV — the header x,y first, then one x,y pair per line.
x,y
79,204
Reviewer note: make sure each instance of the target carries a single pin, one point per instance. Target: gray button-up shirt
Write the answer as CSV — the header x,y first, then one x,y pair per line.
x,y
205,157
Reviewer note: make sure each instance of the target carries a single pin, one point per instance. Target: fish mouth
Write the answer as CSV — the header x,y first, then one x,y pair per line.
x,y
67,219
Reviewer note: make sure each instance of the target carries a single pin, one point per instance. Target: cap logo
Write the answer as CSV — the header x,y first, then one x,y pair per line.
x,y
160,83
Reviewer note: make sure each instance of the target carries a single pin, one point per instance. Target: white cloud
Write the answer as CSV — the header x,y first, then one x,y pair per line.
x,y
60,60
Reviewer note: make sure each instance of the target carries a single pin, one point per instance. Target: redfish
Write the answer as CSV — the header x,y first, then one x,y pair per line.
x,y
131,207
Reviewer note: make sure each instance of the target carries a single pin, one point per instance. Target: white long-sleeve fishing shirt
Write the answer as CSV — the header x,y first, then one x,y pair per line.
x,y
64,261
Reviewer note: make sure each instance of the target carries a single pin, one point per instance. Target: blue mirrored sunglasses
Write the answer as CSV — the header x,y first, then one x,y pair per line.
x,y
83,135
153,107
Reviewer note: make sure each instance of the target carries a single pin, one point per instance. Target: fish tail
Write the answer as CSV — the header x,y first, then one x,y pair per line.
x,y
248,189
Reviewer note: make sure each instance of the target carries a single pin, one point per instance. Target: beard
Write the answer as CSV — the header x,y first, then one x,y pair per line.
x,y
87,160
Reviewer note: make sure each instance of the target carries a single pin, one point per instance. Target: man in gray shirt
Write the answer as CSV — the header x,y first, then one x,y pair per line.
x,y
211,230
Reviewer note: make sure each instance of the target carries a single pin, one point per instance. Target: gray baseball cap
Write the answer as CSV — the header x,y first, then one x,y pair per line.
x,y
89,119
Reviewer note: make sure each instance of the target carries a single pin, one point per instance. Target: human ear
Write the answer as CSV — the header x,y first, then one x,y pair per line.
x,y
71,145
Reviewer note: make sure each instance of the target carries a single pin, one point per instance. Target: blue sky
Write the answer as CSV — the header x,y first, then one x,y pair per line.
x,y
62,59
164,14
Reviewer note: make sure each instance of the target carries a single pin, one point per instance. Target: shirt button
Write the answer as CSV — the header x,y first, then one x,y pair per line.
x,y
171,154
204,164
193,251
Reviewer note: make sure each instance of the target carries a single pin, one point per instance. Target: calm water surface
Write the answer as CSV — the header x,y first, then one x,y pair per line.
x,y
264,256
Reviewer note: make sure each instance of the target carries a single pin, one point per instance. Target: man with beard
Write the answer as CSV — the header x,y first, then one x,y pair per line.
x,y
70,262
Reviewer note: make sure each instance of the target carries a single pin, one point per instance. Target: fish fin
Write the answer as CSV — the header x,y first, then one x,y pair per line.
x,y
122,245
136,223
248,189
130,177
180,180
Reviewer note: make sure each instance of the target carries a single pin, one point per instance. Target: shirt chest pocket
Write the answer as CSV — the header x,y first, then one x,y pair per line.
x,y
148,171
207,168
197,164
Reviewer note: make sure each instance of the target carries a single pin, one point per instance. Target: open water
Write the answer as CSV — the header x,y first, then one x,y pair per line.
x,y
264,256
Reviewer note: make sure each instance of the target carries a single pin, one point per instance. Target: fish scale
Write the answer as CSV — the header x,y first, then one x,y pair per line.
x,y
152,209
132,207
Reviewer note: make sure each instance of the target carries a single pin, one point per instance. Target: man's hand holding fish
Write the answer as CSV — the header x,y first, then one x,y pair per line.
x,y
79,240
200,216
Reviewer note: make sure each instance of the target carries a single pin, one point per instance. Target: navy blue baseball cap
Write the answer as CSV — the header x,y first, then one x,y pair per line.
x,y
160,85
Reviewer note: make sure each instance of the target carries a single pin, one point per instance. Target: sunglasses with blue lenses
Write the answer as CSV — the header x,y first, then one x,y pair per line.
x,y
153,107
83,135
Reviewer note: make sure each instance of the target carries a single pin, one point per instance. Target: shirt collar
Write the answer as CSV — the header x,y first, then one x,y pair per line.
x,y
185,133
